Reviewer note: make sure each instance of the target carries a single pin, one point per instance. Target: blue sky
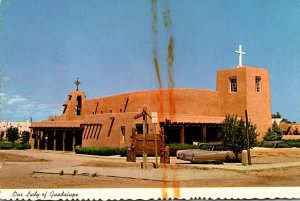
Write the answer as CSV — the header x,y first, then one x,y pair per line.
x,y
46,44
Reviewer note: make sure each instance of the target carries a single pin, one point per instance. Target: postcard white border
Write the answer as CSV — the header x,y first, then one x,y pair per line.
x,y
152,193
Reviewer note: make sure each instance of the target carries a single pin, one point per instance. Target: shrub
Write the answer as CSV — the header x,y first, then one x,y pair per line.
x,y
23,146
293,143
8,145
273,133
174,147
101,151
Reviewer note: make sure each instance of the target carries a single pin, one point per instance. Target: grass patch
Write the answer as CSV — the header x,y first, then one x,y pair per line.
x,y
101,151
6,157
18,146
174,147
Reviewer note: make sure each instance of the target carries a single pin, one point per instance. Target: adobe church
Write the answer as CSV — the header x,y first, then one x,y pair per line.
x,y
184,115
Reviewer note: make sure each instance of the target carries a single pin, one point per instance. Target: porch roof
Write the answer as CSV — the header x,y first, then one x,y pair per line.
x,y
193,119
56,124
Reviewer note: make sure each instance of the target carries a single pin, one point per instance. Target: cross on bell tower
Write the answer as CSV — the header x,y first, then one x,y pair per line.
x,y
240,53
77,83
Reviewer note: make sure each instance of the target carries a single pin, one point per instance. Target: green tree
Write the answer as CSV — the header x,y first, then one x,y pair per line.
x,y
1,135
277,115
12,134
25,137
233,134
273,133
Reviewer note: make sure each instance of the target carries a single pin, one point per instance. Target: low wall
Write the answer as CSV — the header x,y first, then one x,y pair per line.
x,y
268,156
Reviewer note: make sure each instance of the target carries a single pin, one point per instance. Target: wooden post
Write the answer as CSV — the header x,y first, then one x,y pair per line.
x,y
182,135
39,139
32,140
64,139
144,140
74,140
46,141
155,144
54,141
204,134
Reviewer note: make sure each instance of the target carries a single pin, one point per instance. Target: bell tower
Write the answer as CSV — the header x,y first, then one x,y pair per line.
x,y
73,106
246,88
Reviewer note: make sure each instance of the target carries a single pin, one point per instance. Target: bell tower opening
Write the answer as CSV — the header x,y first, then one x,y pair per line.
x,y
78,105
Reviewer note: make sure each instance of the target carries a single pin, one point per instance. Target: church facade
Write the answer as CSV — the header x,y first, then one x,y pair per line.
x,y
184,115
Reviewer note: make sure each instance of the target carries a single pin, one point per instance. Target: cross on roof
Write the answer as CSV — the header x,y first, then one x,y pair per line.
x,y
240,53
77,83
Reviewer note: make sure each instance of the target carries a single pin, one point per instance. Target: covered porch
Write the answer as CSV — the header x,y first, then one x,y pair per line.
x,y
187,132
60,137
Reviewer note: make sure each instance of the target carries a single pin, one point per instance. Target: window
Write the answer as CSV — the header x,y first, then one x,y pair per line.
x,y
139,128
65,108
123,133
233,84
257,83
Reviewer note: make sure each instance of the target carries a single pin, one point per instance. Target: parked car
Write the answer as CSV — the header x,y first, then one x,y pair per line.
x,y
207,153
217,156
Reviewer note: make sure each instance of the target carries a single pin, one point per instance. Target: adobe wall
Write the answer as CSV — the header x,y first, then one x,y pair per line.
x,y
174,101
114,138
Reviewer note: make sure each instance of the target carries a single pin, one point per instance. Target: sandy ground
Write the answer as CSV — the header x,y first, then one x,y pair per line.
x,y
41,169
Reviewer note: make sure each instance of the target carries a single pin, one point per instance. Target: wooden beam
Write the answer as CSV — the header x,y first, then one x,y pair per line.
x,y
111,125
182,135
204,134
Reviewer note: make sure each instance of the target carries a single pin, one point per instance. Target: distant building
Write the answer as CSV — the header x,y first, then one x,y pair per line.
x,y
184,115
21,125
290,131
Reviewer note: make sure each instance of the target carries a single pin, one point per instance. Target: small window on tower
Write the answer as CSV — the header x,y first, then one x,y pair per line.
x,y
78,105
233,84
258,83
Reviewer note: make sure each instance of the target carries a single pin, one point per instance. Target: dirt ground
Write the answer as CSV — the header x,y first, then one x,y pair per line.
x,y
17,171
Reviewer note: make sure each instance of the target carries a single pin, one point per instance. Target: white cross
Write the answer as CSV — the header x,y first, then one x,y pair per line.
x,y
240,52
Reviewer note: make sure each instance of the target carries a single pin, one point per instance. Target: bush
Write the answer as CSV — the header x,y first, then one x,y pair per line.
x,y
23,146
101,151
5,145
274,133
8,145
293,143
175,147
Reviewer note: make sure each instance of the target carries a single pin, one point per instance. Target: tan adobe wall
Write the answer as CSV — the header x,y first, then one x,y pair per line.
x,y
258,104
114,138
176,101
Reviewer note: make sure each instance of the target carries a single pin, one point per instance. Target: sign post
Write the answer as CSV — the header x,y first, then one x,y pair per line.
x,y
144,115
154,121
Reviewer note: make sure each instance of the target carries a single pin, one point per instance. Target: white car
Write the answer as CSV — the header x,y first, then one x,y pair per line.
x,y
207,153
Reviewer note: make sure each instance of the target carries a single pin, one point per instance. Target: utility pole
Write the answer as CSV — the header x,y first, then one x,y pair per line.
x,y
248,139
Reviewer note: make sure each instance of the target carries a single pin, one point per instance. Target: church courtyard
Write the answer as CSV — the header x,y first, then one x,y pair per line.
x,y
49,169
